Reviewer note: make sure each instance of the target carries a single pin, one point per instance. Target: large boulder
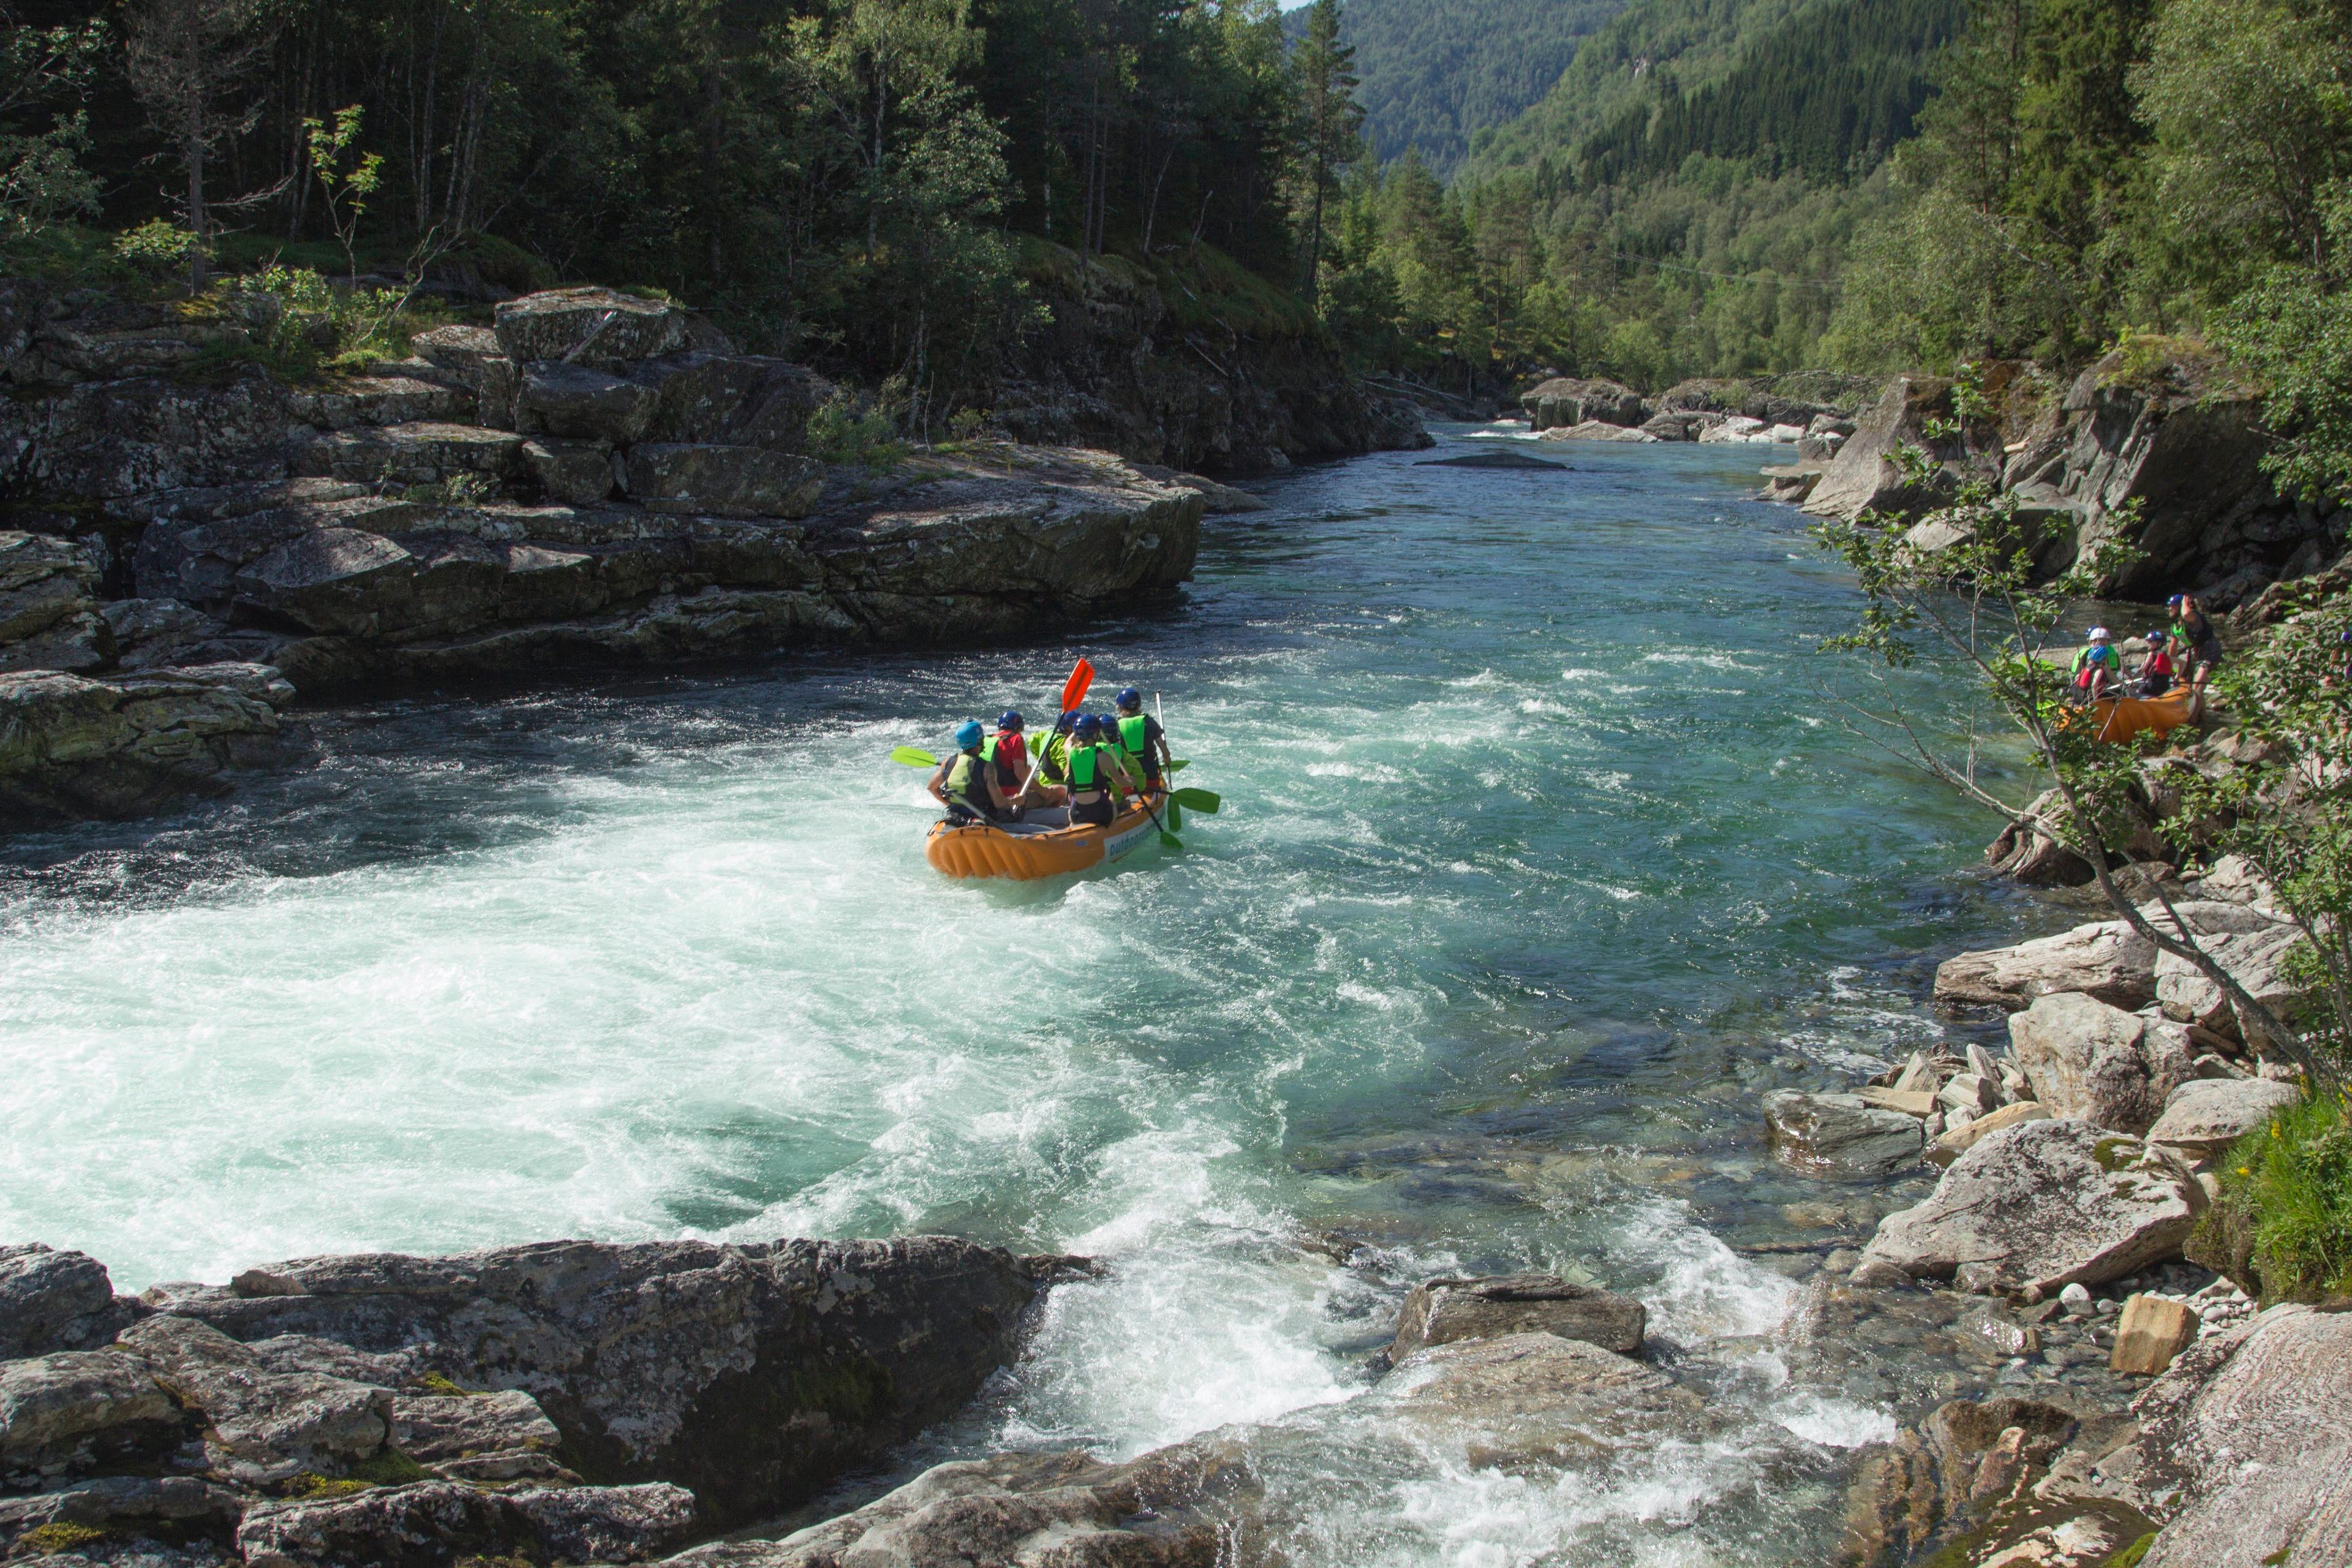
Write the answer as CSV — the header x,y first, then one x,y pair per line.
x,y
2244,1448
1840,1134
2045,1204
52,1300
1539,1398
1864,476
753,1374
583,402
2026,852
2112,1068
2107,960
501,1435
443,1522
1440,1311
72,745
597,327
2205,1116
125,1508
1907,1494
1568,401
48,605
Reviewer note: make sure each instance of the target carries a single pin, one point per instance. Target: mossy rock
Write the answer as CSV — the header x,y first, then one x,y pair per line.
x,y
48,1539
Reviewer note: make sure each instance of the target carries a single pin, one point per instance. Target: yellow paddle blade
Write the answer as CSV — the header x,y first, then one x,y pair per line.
x,y
914,757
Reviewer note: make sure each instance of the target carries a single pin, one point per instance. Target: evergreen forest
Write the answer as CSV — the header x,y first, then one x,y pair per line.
x,y
1466,194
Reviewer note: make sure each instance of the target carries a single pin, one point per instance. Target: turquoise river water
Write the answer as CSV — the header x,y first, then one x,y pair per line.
x,y
1540,861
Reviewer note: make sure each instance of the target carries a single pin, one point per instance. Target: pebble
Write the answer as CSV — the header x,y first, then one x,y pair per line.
x,y
2109,1306
2077,1300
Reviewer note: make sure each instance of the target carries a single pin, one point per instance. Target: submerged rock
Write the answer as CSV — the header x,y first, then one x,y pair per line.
x,y
2042,1203
1490,460
1440,1311
1840,1134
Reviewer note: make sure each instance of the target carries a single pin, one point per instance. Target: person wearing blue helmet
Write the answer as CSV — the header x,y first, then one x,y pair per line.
x,y
1140,739
963,783
1096,773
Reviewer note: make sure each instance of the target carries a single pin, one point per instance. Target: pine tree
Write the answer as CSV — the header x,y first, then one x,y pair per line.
x,y
1330,126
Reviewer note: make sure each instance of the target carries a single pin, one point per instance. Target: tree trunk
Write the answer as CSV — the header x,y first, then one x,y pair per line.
x,y
193,148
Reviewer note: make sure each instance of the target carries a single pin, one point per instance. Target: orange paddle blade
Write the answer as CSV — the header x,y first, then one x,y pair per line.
x,y
1074,690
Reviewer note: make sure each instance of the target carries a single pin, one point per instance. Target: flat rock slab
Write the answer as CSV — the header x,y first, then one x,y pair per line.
x,y
2107,960
1840,1134
2244,1449
2047,1203
1957,1141
1441,1311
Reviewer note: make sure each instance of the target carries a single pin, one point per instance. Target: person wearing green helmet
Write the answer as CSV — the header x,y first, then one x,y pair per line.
x,y
1140,739
965,783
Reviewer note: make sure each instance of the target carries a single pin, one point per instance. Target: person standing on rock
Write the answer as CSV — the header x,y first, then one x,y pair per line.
x,y
2195,641
965,782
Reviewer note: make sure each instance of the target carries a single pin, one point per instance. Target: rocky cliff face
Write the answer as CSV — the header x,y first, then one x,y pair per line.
x,y
599,481
1120,367
2163,456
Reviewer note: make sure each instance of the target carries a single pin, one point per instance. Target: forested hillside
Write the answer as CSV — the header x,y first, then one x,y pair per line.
x,y
1681,202
1437,75
873,184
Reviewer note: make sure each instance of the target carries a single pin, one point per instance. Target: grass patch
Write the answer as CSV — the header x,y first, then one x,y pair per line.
x,y
389,1469
434,1382
48,1540
2284,1223
310,1487
2129,1556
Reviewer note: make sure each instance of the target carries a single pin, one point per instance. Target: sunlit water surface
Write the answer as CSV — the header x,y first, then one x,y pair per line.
x,y
1540,861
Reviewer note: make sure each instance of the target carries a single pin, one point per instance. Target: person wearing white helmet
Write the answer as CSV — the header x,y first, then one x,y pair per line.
x,y
2097,669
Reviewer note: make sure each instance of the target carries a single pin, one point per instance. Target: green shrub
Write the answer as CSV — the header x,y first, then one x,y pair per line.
x,y
389,1469
2285,1220
155,247
434,1382
846,428
310,1485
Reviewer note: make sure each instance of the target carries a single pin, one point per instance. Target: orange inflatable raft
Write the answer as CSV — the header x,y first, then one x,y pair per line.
x,y
1042,844
2121,718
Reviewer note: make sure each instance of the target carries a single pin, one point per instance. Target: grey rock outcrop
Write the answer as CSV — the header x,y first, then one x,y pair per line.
x,y
2107,960
261,1424
74,745
2112,1068
751,1374
1441,1311
1840,1134
1864,475
125,1508
590,326
1538,1396
1565,402
490,1437
48,606
2256,959
2046,1204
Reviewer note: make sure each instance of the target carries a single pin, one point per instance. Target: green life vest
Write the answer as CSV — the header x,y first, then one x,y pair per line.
x,y
1133,736
963,777
1087,767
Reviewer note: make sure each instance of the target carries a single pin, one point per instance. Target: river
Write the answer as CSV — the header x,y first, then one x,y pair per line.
x,y
1540,861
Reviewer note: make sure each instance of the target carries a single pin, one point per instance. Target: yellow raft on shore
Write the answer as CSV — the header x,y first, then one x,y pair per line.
x,y
1042,844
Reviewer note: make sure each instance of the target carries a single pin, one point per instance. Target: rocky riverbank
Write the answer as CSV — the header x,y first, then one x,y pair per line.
x,y
601,479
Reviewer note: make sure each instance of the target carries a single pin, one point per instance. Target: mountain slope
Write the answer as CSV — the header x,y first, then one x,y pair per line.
x,y
1436,73
1822,87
